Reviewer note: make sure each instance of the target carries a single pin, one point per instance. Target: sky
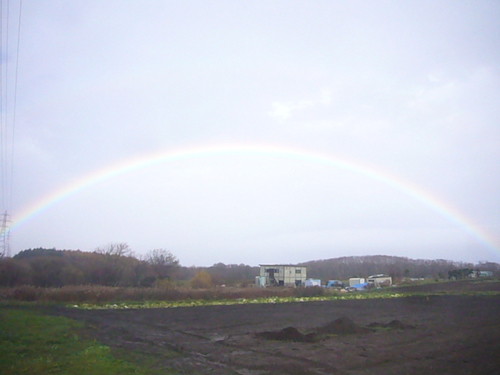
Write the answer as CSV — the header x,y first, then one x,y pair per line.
x,y
254,131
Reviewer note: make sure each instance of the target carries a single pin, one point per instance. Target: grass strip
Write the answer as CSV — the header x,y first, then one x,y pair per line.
x,y
31,343
265,300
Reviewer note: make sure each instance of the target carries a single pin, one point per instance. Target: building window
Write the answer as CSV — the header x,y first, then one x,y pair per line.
x,y
298,271
272,270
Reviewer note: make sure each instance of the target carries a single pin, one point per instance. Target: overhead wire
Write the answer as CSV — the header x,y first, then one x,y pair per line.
x,y
14,108
8,109
8,101
3,137
2,122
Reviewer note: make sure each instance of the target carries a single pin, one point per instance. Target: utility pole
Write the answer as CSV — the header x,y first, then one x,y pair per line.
x,y
5,236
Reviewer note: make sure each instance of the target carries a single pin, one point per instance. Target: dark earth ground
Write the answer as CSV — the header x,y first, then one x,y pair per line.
x,y
435,335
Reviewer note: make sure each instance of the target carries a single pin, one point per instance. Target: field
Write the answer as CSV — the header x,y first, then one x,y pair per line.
x,y
456,332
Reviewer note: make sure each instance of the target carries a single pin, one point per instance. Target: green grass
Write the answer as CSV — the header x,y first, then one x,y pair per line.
x,y
31,343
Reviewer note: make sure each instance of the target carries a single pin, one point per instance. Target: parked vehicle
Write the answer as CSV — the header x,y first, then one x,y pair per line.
x,y
312,282
334,284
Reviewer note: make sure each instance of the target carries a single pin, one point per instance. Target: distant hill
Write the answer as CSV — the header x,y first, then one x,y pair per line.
x,y
343,268
363,266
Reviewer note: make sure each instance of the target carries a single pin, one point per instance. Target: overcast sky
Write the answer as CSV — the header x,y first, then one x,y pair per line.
x,y
405,94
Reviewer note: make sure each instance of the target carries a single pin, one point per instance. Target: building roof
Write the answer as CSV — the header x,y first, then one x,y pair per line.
x,y
281,265
377,276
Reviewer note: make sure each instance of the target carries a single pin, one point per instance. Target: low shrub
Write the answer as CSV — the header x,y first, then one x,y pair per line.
x,y
313,291
105,294
21,293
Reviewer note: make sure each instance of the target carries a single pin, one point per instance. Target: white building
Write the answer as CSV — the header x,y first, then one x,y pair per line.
x,y
312,282
281,275
380,280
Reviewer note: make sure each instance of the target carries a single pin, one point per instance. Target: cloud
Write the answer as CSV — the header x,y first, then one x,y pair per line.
x,y
284,111
326,97
415,95
281,111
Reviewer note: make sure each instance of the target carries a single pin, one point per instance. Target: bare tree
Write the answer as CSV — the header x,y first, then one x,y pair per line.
x,y
118,249
111,268
163,262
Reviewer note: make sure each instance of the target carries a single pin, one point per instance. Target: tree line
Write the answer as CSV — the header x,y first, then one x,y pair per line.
x,y
398,267
110,265
116,265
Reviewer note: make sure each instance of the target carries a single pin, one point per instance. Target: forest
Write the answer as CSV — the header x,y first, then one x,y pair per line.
x,y
115,265
397,267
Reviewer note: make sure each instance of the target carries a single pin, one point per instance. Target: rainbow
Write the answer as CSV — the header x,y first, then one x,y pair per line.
x,y
445,209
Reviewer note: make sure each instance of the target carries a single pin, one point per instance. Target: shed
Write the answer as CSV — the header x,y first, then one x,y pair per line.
x,y
379,280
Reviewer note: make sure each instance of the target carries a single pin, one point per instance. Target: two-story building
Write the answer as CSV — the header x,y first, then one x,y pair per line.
x,y
281,275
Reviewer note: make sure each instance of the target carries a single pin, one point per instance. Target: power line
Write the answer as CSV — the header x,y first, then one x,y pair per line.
x,y
2,109
15,105
8,109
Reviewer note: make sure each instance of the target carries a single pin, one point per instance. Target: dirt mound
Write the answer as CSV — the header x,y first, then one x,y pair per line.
x,y
394,324
288,334
342,326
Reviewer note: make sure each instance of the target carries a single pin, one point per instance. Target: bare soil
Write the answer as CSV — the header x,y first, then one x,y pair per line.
x,y
413,335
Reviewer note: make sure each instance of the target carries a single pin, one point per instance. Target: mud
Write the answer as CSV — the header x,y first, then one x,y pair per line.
x,y
414,335
343,326
393,324
288,334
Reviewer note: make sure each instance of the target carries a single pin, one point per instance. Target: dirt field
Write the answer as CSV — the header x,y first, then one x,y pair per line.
x,y
414,335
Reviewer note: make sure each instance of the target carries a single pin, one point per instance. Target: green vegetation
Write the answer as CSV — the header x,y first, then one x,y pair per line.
x,y
239,301
183,296
104,294
264,300
36,344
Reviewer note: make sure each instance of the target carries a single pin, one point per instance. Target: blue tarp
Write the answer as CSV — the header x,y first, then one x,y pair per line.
x,y
360,286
